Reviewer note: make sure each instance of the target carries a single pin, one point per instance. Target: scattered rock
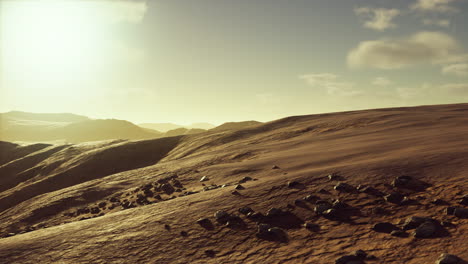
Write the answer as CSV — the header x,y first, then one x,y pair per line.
x,y
399,233
415,221
204,178
384,227
401,181
344,187
95,210
239,187
273,212
246,210
394,197
464,200
426,230
235,193
371,191
311,198
448,259
461,212
255,216
450,210
333,177
183,233
167,188
321,206
311,226
245,179
222,216
205,223
338,204
275,167
294,184
210,253
177,183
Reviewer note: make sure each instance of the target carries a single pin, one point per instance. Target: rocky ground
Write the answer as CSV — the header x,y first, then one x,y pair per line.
x,y
375,186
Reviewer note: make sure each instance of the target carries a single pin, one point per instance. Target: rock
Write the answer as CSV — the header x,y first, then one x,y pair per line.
x,y
204,178
384,227
401,181
234,221
461,212
311,198
349,259
177,183
235,193
158,197
415,221
450,210
360,254
273,212
311,226
148,193
323,191
210,253
371,191
275,167
221,216
438,201
245,179
239,187
95,210
426,230
394,197
262,229
337,204
255,216
332,214
183,233
464,200
294,184
278,233
114,200
333,177
344,187
448,259
245,210
399,233
321,206
300,203
167,227
167,188
205,223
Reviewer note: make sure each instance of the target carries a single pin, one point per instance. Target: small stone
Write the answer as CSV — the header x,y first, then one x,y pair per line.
x,y
311,198
332,214
294,184
311,226
167,227
323,191
273,212
378,211
438,202
394,197
204,178
278,233
450,210
183,233
384,227
255,216
210,253
263,229
333,176
344,187
300,203
399,233
235,193
239,187
221,216
371,191
348,259
464,200
337,204
275,167
415,221
245,210
95,210
461,212
448,259
245,179
360,254
167,188
426,230
205,222
322,206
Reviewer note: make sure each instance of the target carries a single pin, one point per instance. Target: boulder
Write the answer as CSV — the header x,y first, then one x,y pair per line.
x,y
448,259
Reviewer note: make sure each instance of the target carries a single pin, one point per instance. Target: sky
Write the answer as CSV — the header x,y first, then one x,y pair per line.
x,y
186,61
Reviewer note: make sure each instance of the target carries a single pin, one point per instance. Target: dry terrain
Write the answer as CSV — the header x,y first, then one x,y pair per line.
x,y
313,189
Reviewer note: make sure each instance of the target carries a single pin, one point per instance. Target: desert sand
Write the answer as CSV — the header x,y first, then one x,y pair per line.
x,y
178,199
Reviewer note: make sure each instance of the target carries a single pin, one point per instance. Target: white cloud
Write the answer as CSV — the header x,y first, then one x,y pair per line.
x,y
378,19
459,69
381,81
423,47
439,6
122,10
330,82
456,88
436,22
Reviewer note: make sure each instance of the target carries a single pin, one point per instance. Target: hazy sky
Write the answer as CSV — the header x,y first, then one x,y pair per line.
x,y
187,61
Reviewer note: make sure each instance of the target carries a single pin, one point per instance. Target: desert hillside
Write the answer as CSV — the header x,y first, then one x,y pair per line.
x,y
391,183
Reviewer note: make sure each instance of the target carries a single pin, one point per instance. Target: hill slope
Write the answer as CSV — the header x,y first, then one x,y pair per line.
x,y
139,201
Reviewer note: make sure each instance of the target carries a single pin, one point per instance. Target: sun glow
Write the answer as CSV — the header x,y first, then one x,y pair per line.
x,y
56,47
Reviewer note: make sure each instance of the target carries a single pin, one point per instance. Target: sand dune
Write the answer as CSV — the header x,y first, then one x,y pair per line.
x,y
139,201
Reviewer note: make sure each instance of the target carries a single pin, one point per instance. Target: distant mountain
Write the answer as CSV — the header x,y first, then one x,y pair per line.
x,y
165,127
183,131
235,125
32,127
161,127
